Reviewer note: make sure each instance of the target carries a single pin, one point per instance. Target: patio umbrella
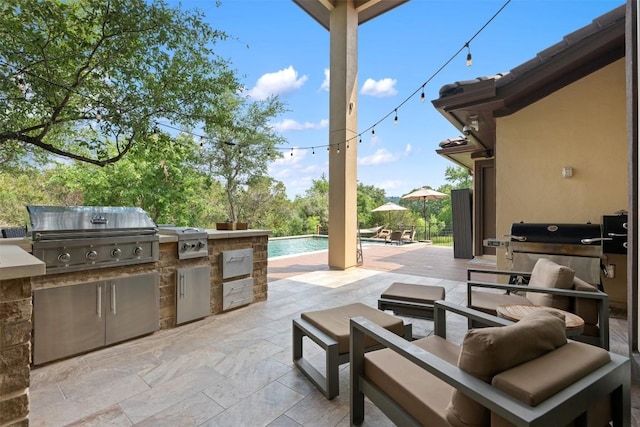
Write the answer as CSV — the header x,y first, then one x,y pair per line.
x,y
424,194
389,207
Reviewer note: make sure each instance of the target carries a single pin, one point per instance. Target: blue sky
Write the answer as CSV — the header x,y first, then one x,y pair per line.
x,y
278,49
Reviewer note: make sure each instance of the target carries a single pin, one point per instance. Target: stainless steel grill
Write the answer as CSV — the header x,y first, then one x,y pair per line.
x,y
578,246
192,242
74,238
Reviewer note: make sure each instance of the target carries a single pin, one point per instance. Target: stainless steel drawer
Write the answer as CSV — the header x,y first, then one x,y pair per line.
x,y
237,293
237,263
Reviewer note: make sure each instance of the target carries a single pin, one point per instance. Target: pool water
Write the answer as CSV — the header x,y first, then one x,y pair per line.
x,y
282,246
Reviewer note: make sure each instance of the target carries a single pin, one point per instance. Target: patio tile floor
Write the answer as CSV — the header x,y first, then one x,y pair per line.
x,y
235,369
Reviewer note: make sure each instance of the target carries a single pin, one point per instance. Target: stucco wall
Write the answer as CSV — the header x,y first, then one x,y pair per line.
x,y
580,126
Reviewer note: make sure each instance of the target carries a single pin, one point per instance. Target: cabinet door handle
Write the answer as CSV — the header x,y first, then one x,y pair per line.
x,y
99,302
181,285
113,298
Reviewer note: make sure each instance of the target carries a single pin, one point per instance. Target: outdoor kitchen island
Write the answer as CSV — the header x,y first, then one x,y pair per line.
x,y
21,273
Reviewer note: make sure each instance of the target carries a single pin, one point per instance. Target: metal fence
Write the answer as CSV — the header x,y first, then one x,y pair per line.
x,y
440,236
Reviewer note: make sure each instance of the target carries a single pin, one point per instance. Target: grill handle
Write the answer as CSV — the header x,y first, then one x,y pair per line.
x,y
617,235
518,238
594,240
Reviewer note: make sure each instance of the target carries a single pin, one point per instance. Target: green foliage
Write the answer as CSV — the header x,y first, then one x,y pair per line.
x,y
158,176
18,190
315,203
369,198
88,79
238,150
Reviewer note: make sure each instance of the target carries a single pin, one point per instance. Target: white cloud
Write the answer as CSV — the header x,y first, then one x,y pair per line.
x,y
408,149
380,157
380,89
287,160
279,83
390,185
325,83
290,124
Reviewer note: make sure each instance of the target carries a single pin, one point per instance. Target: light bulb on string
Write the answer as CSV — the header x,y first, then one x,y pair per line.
x,y
422,99
313,151
201,141
98,115
395,119
373,132
338,149
360,140
469,59
347,143
328,147
292,152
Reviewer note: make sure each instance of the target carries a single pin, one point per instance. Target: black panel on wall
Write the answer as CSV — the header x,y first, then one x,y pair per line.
x,y
461,209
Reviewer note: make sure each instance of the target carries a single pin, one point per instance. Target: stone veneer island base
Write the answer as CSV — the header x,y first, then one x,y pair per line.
x,y
21,274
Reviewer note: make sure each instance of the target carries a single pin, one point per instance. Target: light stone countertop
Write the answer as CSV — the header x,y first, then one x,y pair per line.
x,y
16,263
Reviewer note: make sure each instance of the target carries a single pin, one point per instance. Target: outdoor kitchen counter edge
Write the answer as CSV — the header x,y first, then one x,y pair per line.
x,y
213,234
16,263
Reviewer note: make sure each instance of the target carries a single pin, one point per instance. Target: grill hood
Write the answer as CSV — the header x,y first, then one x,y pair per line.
x,y
47,220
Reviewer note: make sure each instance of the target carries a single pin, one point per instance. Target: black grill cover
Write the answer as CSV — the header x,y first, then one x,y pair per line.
x,y
555,233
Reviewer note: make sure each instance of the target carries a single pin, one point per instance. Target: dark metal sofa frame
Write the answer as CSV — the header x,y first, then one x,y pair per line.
x,y
600,297
570,404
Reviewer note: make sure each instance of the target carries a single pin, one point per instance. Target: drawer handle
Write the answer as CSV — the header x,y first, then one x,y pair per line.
x,y
617,235
237,258
99,302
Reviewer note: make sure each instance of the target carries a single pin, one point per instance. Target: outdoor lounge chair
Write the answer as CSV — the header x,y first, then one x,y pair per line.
x,y
395,237
551,285
384,233
523,374
408,235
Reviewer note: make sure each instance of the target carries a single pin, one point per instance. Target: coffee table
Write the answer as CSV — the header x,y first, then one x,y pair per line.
x,y
574,323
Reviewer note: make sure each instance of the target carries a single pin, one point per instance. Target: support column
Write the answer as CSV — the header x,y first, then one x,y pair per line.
x,y
343,123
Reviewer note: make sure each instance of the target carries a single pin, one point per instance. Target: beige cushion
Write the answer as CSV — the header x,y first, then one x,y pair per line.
x,y
421,394
585,307
413,292
335,322
488,301
561,368
486,352
548,274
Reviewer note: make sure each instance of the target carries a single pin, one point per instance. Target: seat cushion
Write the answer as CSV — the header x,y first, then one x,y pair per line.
x,y
488,301
413,293
335,322
418,392
548,274
585,307
486,352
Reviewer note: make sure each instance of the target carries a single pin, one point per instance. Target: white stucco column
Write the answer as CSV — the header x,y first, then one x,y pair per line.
x,y
343,126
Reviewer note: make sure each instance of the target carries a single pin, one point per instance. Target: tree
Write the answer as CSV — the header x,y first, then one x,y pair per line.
x,y
86,79
158,175
239,149
314,205
369,198
265,205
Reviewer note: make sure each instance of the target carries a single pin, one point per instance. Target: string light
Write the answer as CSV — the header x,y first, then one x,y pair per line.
x,y
313,151
338,149
22,85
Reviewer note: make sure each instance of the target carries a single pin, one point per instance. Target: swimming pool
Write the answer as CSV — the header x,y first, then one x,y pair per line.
x,y
283,246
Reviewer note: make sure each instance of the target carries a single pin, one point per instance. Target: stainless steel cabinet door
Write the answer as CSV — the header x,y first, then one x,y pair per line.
x,y
132,306
67,320
193,293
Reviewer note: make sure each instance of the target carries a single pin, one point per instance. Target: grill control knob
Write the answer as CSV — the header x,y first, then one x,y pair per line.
x,y
186,246
201,245
64,257
92,255
138,251
116,253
